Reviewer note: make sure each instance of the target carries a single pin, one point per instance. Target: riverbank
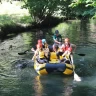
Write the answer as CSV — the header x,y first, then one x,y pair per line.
x,y
14,20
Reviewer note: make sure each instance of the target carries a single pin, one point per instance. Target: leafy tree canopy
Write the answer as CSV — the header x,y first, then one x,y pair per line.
x,y
42,9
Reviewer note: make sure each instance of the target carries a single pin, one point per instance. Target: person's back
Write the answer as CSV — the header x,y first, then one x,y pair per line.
x,y
54,52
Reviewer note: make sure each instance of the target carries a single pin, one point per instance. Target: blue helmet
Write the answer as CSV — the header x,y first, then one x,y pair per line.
x,y
43,41
56,32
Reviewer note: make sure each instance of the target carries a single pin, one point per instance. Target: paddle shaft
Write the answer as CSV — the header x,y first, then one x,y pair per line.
x,y
76,77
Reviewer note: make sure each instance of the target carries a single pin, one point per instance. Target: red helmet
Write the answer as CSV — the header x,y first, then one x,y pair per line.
x,y
39,45
66,40
39,41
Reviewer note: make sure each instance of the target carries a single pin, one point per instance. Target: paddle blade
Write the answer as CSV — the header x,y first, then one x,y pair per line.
x,y
25,52
22,53
81,54
76,77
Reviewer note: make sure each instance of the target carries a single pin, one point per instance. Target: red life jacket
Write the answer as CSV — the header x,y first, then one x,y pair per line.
x,y
67,47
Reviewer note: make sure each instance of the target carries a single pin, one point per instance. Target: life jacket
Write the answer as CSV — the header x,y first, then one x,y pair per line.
x,y
53,56
41,54
67,47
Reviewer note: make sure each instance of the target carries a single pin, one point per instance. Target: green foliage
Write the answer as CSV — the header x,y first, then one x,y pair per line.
x,y
85,8
94,17
70,9
25,20
90,12
41,9
4,19
13,19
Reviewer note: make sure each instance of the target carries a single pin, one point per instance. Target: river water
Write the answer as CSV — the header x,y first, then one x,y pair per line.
x,y
15,81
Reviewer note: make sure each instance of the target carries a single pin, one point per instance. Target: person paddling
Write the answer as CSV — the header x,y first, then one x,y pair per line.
x,y
40,54
68,50
35,47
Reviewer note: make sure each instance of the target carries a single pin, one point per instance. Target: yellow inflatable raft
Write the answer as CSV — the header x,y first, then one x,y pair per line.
x,y
53,67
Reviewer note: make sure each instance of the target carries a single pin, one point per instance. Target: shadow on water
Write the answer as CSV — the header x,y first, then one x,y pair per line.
x,y
23,63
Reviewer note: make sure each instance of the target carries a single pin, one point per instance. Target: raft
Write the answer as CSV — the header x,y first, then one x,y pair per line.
x,y
53,67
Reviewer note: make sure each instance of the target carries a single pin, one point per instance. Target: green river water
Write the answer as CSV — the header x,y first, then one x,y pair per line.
x,y
26,82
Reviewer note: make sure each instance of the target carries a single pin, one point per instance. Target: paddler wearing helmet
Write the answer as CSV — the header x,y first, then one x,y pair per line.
x,y
39,41
40,54
44,43
35,47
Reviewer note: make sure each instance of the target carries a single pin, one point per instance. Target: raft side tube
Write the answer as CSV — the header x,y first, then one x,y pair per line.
x,y
56,67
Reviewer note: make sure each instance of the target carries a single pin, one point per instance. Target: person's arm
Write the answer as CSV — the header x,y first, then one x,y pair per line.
x,y
73,47
54,38
62,48
33,49
57,41
66,52
35,54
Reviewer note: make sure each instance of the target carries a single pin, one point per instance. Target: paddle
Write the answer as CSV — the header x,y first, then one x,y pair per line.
x,y
80,54
25,52
76,77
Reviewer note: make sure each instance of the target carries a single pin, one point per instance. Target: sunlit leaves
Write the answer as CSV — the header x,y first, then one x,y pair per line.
x,y
87,10
40,9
